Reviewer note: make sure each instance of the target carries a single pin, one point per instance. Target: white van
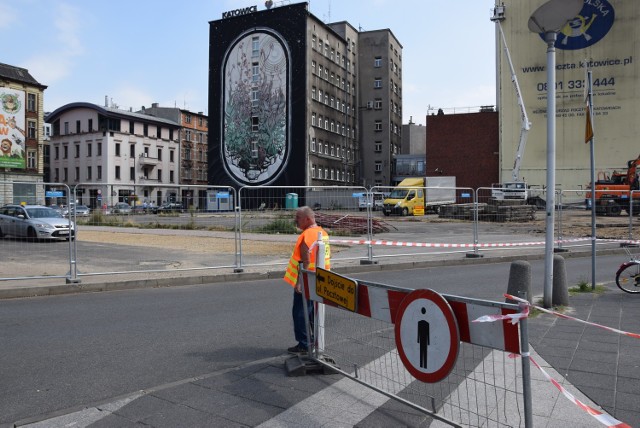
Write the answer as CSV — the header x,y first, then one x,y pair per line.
x,y
378,200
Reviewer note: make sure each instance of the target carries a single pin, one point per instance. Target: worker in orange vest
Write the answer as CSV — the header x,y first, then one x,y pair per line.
x,y
306,221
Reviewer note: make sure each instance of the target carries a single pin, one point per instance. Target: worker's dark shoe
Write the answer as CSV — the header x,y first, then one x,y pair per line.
x,y
297,350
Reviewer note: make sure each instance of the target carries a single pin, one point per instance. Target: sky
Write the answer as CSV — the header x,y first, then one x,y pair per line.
x,y
156,51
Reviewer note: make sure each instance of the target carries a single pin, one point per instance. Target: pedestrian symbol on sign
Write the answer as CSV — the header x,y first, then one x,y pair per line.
x,y
427,335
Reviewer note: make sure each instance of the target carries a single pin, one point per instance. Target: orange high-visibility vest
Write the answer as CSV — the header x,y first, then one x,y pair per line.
x,y
309,236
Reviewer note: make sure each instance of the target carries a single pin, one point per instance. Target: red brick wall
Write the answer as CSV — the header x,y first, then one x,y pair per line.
x,y
464,146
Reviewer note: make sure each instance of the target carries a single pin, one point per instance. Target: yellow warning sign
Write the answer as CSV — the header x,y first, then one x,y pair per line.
x,y
337,289
418,210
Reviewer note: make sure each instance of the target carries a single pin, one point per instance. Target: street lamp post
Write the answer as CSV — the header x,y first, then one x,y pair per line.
x,y
549,19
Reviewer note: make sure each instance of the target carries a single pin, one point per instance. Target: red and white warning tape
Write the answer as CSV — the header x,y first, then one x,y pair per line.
x,y
513,318
447,245
559,315
603,418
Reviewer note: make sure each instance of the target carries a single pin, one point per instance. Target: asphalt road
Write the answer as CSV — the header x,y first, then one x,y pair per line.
x,y
65,352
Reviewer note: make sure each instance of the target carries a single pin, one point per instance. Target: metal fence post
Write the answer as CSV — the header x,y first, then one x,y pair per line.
x,y
238,233
72,276
526,372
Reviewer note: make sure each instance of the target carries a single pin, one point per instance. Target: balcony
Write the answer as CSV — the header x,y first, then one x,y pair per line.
x,y
145,160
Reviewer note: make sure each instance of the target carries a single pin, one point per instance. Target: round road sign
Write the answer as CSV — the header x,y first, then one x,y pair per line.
x,y
427,335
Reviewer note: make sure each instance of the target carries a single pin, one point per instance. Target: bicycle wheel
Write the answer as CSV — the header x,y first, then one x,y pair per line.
x,y
628,277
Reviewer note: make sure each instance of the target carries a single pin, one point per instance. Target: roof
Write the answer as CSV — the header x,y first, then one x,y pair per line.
x,y
18,74
110,112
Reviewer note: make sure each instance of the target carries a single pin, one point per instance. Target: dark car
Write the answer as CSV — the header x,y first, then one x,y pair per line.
x,y
171,207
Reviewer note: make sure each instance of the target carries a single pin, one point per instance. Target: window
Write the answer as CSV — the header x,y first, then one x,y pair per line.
x,y
65,176
31,159
131,127
117,149
377,83
326,148
77,149
187,135
313,41
332,173
56,176
313,171
326,124
66,128
31,130
117,172
313,67
187,153
313,93
90,127
313,119
31,102
65,152
255,124
132,150
313,144
159,153
159,175
99,171
145,130
255,47
377,62
378,125
171,176
89,173
378,146
326,173
88,150
255,71
377,104
99,149
132,173
333,150
171,155
378,166
56,150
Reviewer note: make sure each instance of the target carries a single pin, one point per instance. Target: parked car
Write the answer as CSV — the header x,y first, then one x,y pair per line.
x,y
34,222
171,207
80,211
121,208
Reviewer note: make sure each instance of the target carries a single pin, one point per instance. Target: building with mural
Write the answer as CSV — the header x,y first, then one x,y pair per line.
x,y
21,135
601,39
286,101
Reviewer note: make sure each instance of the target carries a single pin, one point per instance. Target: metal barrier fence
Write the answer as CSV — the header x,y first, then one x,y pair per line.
x,y
485,386
176,228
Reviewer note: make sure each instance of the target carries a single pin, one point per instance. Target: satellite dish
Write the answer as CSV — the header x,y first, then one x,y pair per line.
x,y
553,15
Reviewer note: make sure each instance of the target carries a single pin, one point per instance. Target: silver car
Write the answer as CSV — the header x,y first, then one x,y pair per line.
x,y
34,222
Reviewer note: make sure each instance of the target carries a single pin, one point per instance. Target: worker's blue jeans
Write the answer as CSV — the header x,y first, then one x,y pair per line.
x,y
299,327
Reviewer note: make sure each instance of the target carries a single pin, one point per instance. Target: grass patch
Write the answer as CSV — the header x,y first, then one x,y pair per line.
x,y
279,225
584,286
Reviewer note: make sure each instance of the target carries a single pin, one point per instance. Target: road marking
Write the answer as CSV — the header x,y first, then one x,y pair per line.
x,y
85,417
346,402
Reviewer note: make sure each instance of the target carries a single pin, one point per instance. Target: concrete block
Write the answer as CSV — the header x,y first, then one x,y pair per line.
x,y
560,295
520,280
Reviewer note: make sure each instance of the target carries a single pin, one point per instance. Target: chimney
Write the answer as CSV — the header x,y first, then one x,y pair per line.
x,y
154,105
106,100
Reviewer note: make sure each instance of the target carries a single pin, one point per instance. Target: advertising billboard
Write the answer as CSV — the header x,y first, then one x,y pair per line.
x,y
12,129
596,40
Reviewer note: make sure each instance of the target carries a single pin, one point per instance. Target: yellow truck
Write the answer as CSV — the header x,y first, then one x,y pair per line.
x,y
420,195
